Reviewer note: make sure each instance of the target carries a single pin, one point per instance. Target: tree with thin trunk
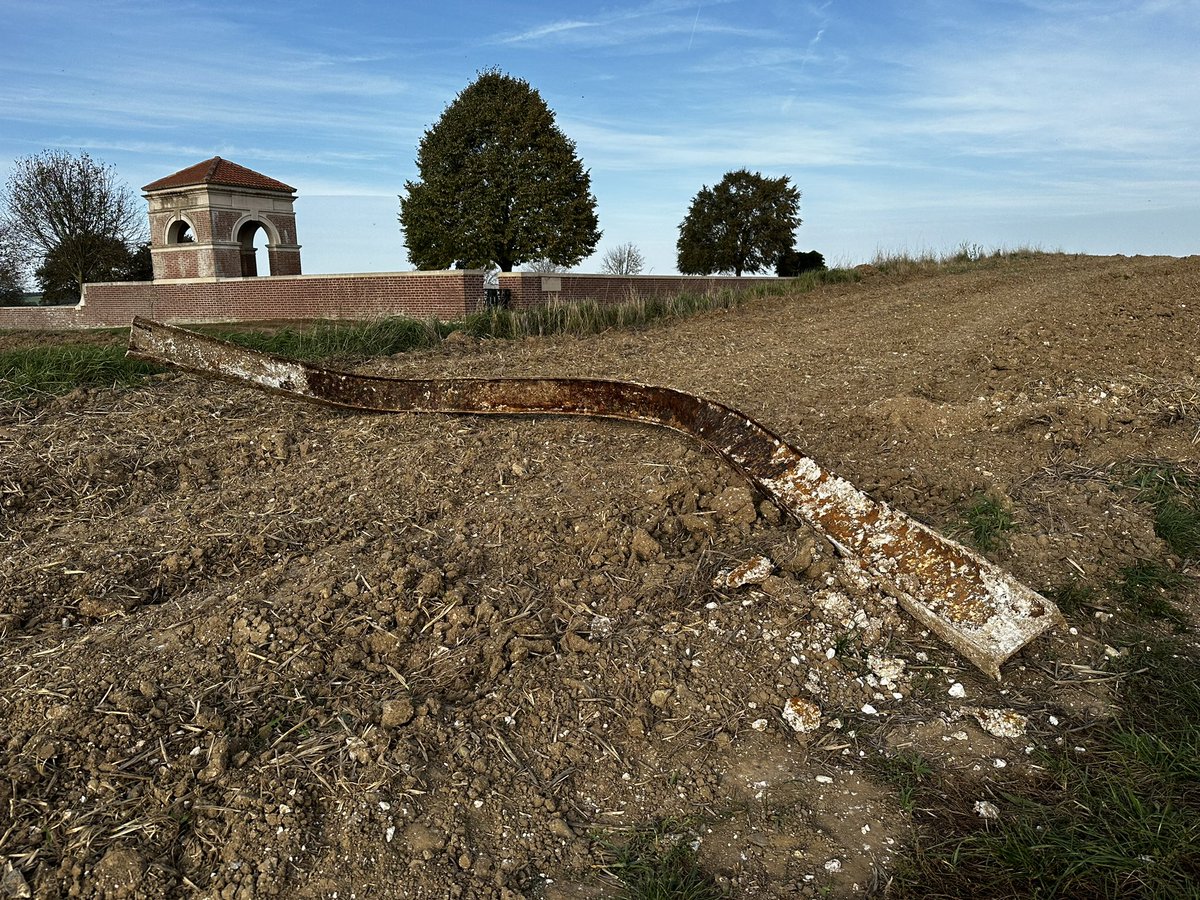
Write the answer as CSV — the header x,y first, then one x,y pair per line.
x,y
742,225
71,208
500,184
623,259
12,292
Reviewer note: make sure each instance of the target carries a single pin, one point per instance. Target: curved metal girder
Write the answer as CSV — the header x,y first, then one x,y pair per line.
x,y
973,605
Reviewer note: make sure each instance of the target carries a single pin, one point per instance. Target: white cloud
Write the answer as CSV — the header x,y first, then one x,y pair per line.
x,y
634,26
1081,81
553,29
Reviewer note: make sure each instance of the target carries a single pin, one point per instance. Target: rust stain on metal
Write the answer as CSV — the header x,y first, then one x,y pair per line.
x,y
974,606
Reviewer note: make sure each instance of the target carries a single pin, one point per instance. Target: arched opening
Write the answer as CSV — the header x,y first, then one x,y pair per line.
x,y
180,232
252,237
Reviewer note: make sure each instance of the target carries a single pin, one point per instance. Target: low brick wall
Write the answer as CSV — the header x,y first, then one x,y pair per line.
x,y
39,318
447,295
530,289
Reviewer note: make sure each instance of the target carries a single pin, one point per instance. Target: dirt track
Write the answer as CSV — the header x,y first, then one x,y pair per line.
x,y
253,648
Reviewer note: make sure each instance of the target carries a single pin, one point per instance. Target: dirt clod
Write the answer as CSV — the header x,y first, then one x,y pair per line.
x,y
397,712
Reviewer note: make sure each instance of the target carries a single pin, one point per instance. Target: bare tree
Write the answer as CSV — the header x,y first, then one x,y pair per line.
x,y
544,267
57,203
623,259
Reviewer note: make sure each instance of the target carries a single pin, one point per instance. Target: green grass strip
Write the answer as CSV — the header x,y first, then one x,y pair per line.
x,y
340,340
59,369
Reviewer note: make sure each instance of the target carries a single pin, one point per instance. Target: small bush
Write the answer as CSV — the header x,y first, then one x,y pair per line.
x,y
792,263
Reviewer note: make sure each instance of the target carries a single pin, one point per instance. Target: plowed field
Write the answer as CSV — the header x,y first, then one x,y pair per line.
x,y
255,648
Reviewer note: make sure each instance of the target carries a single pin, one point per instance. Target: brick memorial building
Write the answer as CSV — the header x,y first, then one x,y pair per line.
x,y
203,221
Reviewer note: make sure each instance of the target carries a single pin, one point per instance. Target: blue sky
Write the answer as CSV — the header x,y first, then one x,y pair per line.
x,y
1066,124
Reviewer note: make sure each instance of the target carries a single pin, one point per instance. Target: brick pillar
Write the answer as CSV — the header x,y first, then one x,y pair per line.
x,y
285,259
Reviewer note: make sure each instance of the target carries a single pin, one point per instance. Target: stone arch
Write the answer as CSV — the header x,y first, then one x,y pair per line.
x,y
243,234
180,230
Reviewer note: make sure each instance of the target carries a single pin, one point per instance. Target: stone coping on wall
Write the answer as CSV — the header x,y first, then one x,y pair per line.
x,y
212,279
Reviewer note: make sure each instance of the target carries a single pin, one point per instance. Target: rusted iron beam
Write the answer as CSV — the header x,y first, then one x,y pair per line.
x,y
974,606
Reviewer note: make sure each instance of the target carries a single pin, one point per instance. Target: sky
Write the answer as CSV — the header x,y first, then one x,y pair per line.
x,y
908,127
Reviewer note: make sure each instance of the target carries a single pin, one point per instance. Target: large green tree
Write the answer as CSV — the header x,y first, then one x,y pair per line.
x,y
500,184
102,258
70,210
742,225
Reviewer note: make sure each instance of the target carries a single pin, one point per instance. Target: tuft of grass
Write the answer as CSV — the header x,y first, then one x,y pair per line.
x,y
658,863
1179,525
58,369
909,772
1174,495
987,519
1148,588
1117,821
1072,596
850,652
968,252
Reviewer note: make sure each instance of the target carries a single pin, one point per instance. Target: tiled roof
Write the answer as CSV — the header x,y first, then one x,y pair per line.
x,y
219,171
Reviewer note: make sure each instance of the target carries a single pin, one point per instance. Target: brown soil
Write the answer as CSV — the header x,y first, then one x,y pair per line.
x,y
255,648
